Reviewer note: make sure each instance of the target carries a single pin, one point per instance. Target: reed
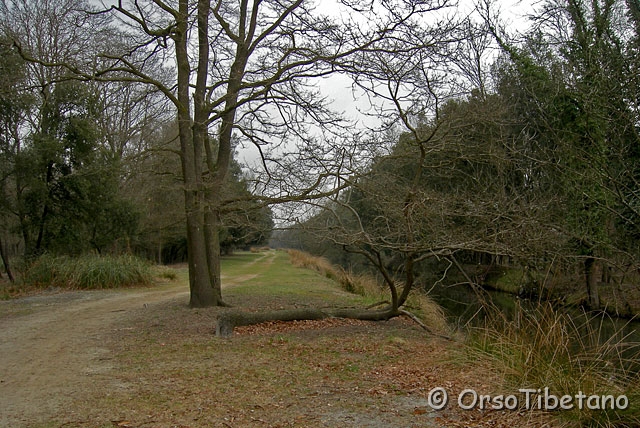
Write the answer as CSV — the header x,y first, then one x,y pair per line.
x,y
545,348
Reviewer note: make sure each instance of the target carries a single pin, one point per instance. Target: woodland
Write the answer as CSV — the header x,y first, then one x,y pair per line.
x,y
181,130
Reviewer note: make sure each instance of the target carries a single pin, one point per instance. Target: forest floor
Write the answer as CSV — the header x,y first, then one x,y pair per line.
x,y
142,358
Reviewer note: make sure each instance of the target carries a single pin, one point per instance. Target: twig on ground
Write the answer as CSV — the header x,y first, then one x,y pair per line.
x,y
423,325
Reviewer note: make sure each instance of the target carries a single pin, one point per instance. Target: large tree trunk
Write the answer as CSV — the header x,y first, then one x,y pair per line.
x,y
593,274
202,199
202,293
212,236
5,260
210,190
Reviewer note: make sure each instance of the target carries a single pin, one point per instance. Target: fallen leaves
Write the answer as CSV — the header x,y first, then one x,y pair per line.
x,y
271,327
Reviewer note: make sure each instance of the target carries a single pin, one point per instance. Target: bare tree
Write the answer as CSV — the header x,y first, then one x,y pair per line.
x,y
452,187
247,68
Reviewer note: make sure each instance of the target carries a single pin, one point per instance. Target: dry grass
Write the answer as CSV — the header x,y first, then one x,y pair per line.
x,y
546,348
540,348
309,261
160,365
170,371
361,284
431,313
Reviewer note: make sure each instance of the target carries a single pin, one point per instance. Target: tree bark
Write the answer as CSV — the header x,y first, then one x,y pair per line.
x,y
212,238
5,260
209,292
201,292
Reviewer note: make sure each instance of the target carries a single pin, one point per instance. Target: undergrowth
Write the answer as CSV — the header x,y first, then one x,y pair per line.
x,y
89,272
544,348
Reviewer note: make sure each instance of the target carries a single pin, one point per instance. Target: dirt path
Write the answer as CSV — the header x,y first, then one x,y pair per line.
x,y
266,259
50,346
142,358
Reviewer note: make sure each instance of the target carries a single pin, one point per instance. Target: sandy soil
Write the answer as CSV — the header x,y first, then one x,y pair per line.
x,y
51,347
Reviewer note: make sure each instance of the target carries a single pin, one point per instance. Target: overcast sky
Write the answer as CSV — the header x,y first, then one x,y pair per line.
x,y
338,88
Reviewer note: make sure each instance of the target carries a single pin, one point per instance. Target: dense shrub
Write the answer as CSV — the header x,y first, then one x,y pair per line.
x,y
88,272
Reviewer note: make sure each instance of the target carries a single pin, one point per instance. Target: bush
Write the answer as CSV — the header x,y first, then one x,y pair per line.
x,y
319,264
88,272
545,348
165,272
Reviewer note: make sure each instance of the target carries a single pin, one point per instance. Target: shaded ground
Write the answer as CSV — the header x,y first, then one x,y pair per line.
x,y
141,358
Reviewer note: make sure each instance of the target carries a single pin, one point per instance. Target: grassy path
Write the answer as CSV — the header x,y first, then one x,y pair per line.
x,y
268,280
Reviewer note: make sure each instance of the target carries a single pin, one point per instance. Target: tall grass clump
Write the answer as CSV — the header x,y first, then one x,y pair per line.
x,y
362,284
544,348
165,272
318,264
356,283
88,272
430,312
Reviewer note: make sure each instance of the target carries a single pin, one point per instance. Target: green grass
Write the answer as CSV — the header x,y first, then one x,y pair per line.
x,y
241,263
271,274
170,370
538,349
370,291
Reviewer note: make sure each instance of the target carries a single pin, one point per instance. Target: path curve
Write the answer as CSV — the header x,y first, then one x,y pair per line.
x,y
51,345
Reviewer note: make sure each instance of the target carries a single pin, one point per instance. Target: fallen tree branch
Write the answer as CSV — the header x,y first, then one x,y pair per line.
x,y
423,325
375,305
228,321
414,318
